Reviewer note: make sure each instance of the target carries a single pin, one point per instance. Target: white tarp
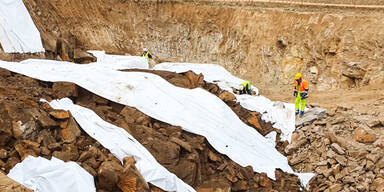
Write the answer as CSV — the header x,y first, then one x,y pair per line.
x,y
18,33
195,110
119,62
122,145
212,73
282,115
43,175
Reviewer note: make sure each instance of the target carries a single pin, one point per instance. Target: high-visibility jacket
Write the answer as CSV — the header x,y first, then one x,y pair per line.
x,y
147,55
245,83
303,87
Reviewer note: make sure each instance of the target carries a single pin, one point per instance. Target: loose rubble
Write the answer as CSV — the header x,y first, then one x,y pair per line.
x,y
343,148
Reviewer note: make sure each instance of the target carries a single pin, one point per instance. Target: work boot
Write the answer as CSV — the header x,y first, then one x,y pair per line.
x,y
297,112
301,113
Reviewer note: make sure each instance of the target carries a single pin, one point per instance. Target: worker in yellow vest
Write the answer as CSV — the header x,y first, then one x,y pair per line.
x,y
245,88
146,54
301,93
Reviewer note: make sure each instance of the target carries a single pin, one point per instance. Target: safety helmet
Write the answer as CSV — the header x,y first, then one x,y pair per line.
x,y
145,49
298,76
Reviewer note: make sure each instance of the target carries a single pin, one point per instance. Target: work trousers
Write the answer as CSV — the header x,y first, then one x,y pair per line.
x,y
300,103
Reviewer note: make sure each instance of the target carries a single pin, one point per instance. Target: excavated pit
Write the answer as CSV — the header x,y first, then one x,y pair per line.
x,y
335,48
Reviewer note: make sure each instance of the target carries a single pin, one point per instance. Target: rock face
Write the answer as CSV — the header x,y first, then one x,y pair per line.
x,y
343,58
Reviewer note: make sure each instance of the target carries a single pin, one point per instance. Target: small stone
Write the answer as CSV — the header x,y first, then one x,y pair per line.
x,y
374,122
364,135
45,151
357,153
313,70
60,114
374,157
240,186
227,96
328,172
212,156
379,142
264,181
349,179
108,175
320,163
378,184
183,144
337,149
321,169
71,132
370,165
334,188
380,163
295,161
342,160
255,123
331,178
3,154
327,141
362,187
332,161
64,89
24,152
336,169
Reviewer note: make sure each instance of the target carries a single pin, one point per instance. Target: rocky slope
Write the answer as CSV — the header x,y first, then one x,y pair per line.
x,y
335,48
33,128
345,148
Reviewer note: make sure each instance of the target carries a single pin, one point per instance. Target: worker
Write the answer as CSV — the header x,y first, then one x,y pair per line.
x,y
245,87
301,93
146,54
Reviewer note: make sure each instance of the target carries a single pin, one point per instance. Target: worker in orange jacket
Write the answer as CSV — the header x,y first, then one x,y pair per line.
x,y
301,93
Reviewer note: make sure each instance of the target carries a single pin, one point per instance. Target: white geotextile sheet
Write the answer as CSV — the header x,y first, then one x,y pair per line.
x,y
195,110
212,73
43,175
122,145
119,62
18,33
281,115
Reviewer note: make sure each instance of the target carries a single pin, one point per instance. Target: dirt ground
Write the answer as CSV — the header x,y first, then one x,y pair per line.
x,y
358,98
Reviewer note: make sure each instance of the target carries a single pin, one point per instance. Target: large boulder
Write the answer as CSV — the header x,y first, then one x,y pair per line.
x,y
130,179
227,96
83,57
65,89
108,175
70,130
194,79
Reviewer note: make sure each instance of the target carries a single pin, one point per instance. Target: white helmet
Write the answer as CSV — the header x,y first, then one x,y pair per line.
x,y
145,49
